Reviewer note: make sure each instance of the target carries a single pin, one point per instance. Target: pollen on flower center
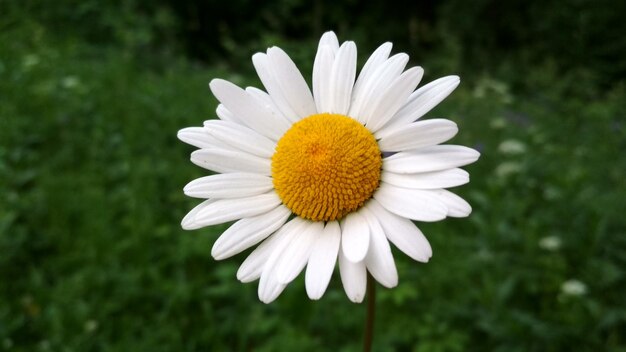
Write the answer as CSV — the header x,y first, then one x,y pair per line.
x,y
326,166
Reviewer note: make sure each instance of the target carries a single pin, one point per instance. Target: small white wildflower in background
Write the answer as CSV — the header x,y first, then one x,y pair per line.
x,y
508,168
91,325
489,88
574,287
44,345
497,123
551,193
7,343
512,147
30,61
550,243
70,82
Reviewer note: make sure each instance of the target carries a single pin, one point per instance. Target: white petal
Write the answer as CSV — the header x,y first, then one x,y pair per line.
x,y
225,114
365,98
427,180
249,231
435,158
355,237
294,87
411,203
378,57
329,39
253,266
379,260
240,137
322,261
322,70
262,97
457,206
271,290
269,287
231,185
342,78
402,233
278,120
353,277
198,137
189,221
224,210
246,108
223,161
263,69
421,102
418,135
297,253
391,100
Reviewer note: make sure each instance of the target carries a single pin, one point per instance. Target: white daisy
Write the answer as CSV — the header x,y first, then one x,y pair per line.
x,y
336,173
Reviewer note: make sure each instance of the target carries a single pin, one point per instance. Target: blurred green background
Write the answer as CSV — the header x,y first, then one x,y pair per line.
x,y
92,256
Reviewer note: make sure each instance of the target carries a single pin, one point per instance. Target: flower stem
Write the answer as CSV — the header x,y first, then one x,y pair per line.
x,y
371,312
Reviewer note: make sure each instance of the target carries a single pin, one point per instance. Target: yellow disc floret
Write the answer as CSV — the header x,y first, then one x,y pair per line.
x,y
326,166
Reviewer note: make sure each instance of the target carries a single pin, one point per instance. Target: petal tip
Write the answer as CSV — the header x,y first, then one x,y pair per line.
x,y
315,296
217,252
214,82
187,224
181,134
356,298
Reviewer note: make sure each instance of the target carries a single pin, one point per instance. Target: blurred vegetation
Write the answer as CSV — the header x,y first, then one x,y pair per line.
x,y
92,257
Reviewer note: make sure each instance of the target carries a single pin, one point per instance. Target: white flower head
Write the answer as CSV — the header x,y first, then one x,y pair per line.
x,y
70,82
574,287
550,243
332,174
508,168
512,147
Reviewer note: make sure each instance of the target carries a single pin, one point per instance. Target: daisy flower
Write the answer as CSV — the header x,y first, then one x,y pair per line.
x,y
327,175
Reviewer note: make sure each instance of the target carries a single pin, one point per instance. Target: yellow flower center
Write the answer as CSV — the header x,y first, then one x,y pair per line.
x,y
326,166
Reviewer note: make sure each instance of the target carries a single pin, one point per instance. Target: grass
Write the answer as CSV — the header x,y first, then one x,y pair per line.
x,y
92,257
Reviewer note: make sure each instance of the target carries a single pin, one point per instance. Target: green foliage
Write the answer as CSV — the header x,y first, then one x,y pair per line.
x,y
578,34
92,257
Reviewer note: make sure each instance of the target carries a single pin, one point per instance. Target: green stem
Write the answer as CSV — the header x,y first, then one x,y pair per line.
x,y
371,312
